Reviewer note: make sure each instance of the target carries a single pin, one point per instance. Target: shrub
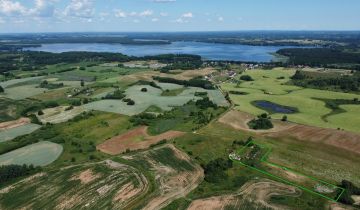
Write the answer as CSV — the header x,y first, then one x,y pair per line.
x,y
40,112
284,118
144,90
1,89
246,78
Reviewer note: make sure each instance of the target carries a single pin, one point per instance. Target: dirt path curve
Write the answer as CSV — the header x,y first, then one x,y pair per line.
x,y
174,185
255,193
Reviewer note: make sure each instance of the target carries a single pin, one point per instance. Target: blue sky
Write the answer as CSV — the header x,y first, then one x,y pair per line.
x,y
177,15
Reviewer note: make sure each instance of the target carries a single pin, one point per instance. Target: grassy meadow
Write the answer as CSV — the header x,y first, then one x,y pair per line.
x,y
270,85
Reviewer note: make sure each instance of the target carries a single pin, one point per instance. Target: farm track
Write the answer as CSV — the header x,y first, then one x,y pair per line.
x,y
254,194
174,184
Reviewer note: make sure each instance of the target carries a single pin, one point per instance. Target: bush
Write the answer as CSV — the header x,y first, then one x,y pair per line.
x,y
215,170
40,112
284,118
144,90
263,122
1,89
246,78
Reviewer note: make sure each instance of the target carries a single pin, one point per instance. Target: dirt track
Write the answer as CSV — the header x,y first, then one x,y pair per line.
x,y
255,194
14,123
341,139
174,184
135,139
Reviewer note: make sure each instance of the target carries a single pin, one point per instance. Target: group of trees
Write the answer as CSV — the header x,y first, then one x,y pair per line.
x,y
215,170
177,61
262,122
47,85
117,94
350,189
344,83
9,172
1,89
192,82
246,78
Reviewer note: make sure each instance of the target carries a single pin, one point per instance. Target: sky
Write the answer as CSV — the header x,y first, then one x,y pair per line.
x,y
177,15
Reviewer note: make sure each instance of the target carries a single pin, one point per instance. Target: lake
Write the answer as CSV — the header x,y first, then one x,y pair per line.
x,y
209,51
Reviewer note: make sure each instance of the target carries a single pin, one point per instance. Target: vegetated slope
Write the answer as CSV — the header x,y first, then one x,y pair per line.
x,y
148,180
252,195
343,139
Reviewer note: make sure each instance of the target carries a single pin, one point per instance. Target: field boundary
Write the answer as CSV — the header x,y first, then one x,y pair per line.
x,y
264,159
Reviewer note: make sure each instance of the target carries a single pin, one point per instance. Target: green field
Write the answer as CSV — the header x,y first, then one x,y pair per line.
x,y
267,86
153,97
39,154
12,133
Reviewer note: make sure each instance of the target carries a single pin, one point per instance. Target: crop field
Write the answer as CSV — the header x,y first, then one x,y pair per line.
x,y
149,180
11,133
135,139
268,87
16,82
39,154
59,114
152,97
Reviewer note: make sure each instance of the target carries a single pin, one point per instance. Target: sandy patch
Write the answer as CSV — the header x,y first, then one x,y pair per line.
x,y
86,176
59,114
174,184
135,139
14,124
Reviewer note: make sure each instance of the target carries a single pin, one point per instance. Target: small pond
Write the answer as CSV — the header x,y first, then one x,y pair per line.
x,y
274,108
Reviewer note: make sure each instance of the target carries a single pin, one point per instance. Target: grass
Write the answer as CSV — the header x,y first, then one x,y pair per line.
x,y
152,97
79,136
12,133
216,141
174,92
39,154
267,87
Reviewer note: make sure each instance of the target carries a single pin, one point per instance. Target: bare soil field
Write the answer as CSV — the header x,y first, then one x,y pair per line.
x,y
59,114
341,139
135,139
173,183
14,123
253,195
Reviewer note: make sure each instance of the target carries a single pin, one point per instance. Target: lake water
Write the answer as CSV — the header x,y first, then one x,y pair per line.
x,y
209,51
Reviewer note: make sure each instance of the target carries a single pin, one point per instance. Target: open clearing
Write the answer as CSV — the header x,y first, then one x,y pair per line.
x,y
267,87
11,133
133,140
39,154
253,195
59,114
152,97
341,139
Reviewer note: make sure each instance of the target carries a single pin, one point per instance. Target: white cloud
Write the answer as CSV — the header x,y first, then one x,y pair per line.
x,y
146,13
120,14
43,8
80,9
155,19
188,15
164,14
12,8
221,19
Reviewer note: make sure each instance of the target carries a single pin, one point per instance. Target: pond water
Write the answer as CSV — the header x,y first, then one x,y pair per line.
x,y
275,108
209,51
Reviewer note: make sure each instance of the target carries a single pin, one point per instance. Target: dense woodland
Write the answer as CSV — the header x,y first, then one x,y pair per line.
x,y
326,57
343,83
